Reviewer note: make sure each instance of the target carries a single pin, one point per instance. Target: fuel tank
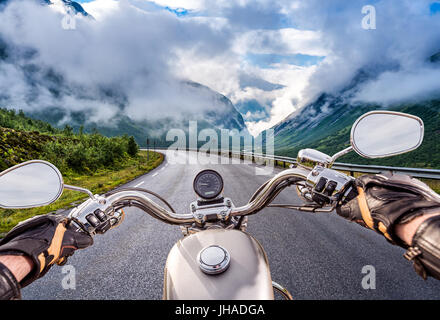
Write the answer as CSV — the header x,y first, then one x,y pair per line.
x,y
246,278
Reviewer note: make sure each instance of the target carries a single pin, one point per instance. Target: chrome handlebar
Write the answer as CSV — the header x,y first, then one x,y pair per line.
x,y
138,198
120,199
264,196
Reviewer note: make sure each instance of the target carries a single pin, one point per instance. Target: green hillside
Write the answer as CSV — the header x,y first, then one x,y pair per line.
x,y
426,156
92,161
23,139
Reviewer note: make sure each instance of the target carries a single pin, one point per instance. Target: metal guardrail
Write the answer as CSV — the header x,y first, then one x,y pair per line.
x,y
414,172
348,167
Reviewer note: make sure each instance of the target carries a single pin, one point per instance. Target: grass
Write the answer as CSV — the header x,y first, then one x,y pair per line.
x,y
100,182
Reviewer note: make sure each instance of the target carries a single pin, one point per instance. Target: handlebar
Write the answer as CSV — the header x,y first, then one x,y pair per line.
x,y
137,197
270,190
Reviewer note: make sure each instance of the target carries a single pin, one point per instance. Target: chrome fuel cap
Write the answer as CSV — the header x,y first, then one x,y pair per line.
x,y
214,259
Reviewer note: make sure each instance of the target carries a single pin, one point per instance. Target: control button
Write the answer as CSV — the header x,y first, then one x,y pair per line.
x,y
321,184
330,188
100,215
320,199
93,220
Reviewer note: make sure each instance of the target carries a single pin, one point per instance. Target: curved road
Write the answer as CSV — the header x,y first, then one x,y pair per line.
x,y
316,256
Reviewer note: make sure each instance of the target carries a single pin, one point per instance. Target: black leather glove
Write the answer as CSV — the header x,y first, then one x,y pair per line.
x,y
382,201
46,239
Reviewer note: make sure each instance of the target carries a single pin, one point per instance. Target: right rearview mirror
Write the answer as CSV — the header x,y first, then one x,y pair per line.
x,y
380,134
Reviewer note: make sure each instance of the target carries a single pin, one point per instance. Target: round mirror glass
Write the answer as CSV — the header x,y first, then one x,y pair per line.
x,y
30,184
381,134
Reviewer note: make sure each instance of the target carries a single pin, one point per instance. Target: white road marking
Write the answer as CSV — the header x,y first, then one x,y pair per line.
x,y
155,174
139,184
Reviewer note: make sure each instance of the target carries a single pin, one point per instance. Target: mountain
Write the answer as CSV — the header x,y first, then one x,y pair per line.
x,y
214,110
67,4
327,114
426,156
325,124
435,58
76,7
220,114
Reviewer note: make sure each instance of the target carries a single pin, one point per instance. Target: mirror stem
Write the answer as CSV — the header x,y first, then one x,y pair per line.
x,y
66,186
340,154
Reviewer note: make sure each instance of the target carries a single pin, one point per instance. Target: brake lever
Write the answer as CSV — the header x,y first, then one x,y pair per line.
x,y
304,208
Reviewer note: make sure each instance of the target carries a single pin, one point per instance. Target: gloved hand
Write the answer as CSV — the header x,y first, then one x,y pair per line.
x,y
46,239
382,201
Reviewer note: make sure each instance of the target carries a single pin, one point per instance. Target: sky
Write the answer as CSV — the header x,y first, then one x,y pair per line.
x,y
264,62
270,58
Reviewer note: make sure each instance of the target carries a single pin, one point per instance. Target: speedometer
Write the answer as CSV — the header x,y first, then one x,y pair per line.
x,y
208,184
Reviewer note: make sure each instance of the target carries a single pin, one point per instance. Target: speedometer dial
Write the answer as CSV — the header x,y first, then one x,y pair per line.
x,y
208,184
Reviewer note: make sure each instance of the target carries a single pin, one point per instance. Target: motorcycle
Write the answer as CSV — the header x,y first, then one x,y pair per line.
x,y
216,258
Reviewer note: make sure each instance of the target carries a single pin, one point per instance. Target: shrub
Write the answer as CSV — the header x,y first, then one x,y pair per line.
x,y
133,147
89,153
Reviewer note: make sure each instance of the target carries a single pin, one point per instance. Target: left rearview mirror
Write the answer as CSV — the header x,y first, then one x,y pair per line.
x,y
30,184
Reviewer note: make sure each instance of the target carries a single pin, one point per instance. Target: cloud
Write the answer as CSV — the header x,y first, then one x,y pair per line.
x,y
136,56
270,58
282,42
395,54
401,86
100,8
281,101
187,4
120,62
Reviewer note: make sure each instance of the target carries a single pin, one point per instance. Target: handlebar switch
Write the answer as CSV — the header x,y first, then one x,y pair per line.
x,y
93,220
320,199
105,226
327,183
100,215
99,220
321,184
331,186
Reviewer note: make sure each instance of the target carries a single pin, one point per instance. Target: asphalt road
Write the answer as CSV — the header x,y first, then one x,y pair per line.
x,y
316,256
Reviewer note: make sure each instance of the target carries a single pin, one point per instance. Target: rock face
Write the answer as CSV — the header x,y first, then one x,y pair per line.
x,y
74,6
326,115
330,113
